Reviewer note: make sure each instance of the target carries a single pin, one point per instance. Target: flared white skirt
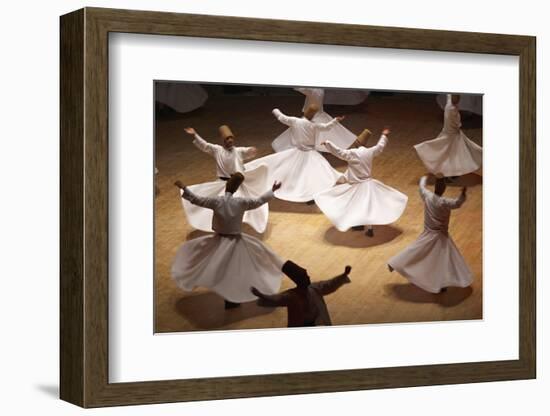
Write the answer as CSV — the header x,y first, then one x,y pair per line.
x,y
229,266
432,263
450,154
254,185
337,134
303,174
363,203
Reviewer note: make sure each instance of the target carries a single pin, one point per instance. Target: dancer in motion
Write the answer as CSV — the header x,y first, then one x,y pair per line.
x,y
304,303
433,261
303,170
229,160
339,135
451,153
229,261
361,200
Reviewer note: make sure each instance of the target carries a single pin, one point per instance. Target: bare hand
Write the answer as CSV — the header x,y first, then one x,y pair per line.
x,y
190,130
347,270
340,118
386,131
179,184
276,185
323,143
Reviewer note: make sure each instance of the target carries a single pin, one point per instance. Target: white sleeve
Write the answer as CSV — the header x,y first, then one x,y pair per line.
x,y
380,146
204,146
454,203
253,203
289,121
201,201
326,126
338,152
422,187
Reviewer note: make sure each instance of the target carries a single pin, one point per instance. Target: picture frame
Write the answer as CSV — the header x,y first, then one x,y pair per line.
x,y
84,217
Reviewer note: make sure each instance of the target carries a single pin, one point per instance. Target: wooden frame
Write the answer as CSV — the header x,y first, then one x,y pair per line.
x,y
84,207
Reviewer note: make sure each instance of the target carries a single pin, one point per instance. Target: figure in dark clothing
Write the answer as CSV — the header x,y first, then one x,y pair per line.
x,y
304,303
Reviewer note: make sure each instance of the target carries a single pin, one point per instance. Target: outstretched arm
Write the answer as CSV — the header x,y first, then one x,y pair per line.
x,y
338,152
422,187
454,203
382,143
289,121
201,201
326,287
200,143
253,203
326,126
270,301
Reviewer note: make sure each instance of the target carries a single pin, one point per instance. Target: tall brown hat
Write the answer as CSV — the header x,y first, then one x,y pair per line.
x,y
225,132
296,273
310,111
234,182
363,137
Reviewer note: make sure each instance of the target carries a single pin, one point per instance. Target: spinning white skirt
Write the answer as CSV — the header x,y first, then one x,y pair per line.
x,y
450,154
229,266
337,134
433,262
303,174
363,203
254,185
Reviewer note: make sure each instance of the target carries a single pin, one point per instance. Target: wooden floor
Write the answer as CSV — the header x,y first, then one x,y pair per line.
x,y
302,233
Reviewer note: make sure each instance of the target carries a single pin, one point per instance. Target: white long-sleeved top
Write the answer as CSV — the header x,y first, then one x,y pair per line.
x,y
228,161
302,130
451,117
228,210
437,209
359,160
313,96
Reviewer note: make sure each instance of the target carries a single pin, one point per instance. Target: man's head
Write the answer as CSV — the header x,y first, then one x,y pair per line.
x,y
227,136
234,182
440,186
310,111
297,274
363,137
455,99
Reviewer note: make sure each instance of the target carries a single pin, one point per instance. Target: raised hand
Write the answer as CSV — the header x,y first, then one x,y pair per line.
x,y
347,270
386,131
190,130
179,184
340,118
276,185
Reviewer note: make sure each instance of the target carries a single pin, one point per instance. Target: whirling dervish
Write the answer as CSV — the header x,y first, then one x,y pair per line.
x,y
303,170
304,303
339,135
433,262
229,160
361,200
228,262
451,153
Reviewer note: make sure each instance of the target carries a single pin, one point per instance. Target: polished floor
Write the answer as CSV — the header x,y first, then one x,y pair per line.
x,y
301,232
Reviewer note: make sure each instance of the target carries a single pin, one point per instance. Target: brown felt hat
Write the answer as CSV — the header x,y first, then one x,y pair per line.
x,y
363,137
234,182
310,111
296,273
225,132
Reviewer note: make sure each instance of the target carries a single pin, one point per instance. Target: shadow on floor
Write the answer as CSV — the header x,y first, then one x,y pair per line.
x,y
206,311
279,205
469,180
357,239
411,293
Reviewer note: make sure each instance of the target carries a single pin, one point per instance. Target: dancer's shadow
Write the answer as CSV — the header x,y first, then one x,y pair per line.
x,y
206,311
357,239
411,293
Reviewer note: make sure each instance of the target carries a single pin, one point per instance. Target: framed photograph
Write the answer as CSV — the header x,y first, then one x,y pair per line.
x,y
254,207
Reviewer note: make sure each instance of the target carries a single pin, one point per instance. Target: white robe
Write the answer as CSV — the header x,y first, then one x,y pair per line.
x,y
303,171
227,163
181,96
362,200
433,261
228,262
341,136
471,103
451,153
